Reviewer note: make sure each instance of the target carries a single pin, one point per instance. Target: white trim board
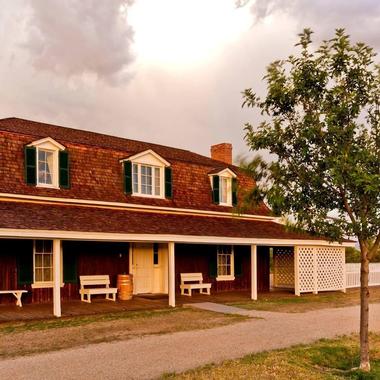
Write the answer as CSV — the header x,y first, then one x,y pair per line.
x,y
135,206
103,236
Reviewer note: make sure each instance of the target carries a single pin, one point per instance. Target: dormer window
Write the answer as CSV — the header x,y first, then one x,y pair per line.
x,y
147,180
47,168
147,174
223,184
46,164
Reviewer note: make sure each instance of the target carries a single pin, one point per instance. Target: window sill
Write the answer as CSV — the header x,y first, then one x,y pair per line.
x,y
47,186
225,278
225,204
43,285
147,196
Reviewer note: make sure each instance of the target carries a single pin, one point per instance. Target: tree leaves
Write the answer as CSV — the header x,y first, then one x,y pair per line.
x,y
322,124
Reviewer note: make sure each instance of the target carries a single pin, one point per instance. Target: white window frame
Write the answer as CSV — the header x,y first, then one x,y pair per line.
x,y
54,169
229,190
231,276
139,181
44,284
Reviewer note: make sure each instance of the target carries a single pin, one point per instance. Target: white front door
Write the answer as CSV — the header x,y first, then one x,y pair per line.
x,y
142,265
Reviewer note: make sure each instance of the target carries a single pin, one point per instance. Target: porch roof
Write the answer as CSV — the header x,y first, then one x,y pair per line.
x,y
46,216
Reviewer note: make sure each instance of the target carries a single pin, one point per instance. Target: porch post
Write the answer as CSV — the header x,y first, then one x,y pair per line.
x,y
296,272
171,263
57,277
254,272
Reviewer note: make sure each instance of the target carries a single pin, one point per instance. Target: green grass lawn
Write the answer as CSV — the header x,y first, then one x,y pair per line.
x,y
288,303
325,359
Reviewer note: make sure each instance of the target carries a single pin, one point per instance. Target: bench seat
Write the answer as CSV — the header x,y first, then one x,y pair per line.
x,y
17,293
190,281
96,280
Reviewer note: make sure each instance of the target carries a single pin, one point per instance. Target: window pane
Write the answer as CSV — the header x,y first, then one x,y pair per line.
x,y
157,181
38,275
48,274
39,246
38,260
135,178
224,260
48,246
223,189
146,179
47,260
45,167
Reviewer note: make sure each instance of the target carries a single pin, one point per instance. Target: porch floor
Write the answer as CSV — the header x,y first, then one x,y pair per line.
x,y
11,312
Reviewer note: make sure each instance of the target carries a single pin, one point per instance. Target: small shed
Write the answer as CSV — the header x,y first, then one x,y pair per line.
x,y
309,268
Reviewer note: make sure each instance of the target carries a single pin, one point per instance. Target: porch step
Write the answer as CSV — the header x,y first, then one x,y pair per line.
x,y
218,308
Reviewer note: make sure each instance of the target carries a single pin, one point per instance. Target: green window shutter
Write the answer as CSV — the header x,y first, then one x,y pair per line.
x,y
25,267
234,192
30,165
238,265
212,267
64,173
70,268
168,182
215,189
127,177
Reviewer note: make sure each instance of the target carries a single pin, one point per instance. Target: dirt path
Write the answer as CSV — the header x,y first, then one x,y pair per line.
x,y
150,357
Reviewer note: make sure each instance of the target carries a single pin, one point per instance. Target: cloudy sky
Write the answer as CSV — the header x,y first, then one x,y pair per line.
x,y
165,71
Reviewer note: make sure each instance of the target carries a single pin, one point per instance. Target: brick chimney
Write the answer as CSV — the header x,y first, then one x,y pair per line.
x,y
222,152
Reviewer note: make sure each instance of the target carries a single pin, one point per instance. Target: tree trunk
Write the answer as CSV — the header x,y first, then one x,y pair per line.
x,y
364,311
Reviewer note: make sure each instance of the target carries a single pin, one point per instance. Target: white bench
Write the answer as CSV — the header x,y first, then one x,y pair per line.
x,y
96,280
16,293
190,281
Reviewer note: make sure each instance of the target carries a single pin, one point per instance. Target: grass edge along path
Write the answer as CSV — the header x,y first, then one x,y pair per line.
x,y
325,359
289,303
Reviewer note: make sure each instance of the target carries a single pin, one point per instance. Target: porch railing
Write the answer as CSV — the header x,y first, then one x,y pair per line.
x,y
353,275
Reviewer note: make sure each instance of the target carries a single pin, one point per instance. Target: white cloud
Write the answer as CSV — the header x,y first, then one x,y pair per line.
x,y
75,38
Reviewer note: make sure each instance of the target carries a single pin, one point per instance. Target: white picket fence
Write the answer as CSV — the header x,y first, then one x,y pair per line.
x,y
353,275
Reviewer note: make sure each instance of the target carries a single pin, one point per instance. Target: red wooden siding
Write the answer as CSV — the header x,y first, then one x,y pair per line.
x,y
196,258
263,269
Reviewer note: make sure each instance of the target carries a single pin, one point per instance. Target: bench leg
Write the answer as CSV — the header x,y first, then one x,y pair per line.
x,y
109,298
88,298
18,299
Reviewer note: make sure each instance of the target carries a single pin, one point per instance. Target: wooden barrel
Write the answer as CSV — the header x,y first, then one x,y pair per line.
x,y
125,286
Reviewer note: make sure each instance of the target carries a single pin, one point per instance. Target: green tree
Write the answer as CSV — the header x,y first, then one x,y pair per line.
x,y
321,123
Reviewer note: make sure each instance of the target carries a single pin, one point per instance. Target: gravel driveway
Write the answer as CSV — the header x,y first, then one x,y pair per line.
x,y
151,356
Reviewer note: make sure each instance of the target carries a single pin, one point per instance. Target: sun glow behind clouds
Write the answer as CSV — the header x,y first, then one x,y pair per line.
x,y
185,32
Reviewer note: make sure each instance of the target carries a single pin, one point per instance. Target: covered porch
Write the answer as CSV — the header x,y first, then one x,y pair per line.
x,y
231,253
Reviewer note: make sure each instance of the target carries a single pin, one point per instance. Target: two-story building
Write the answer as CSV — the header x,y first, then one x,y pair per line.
x,y
74,202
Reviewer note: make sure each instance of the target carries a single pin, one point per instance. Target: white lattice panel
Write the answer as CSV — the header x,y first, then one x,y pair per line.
x,y
283,267
306,269
320,269
330,268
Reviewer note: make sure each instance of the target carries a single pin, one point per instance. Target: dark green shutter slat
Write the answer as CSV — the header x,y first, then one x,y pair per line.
x,y
25,266
213,270
64,173
238,265
70,268
215,189
168,182
30,165
234,192
127,177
